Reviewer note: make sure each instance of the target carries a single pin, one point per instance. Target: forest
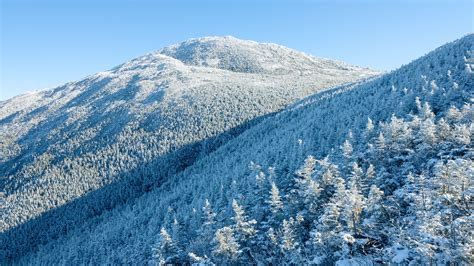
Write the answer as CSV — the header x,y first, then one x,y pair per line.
x,y
375,171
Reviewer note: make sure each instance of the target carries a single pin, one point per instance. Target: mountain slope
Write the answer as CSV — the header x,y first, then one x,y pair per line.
x,y
69,153
318,125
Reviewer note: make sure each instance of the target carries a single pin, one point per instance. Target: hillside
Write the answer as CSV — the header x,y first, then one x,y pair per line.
x,y
376,171
70,153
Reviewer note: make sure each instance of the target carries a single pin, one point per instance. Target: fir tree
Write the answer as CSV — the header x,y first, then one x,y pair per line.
x,y
227,245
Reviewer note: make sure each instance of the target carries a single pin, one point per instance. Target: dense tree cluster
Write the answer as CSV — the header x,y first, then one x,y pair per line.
x,y
406,199
71,153
376,171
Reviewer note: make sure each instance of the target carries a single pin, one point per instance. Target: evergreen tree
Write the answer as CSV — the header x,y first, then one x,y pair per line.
x,y
354,204
357,178
453,114
428,132
369,128
166,250
370,172
244,230
461,134
307,189
275,200
325,235
374,223
380,143
347,149
443,130
227,245
206,232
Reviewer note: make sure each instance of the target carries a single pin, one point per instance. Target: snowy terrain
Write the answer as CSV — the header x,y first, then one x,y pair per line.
x,y
376,171
70,153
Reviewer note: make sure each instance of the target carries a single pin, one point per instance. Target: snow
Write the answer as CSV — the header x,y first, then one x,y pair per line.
x,y
144,110
401,254
164,136
353,262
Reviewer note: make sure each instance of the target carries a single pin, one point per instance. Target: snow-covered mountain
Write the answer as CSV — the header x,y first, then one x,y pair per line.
x,y
370,172
68,154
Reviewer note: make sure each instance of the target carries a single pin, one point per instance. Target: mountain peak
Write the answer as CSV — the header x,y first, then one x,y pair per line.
x,y
230,53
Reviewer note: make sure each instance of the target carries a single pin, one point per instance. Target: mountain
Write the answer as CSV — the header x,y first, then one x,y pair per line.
x,y
70,153
377,171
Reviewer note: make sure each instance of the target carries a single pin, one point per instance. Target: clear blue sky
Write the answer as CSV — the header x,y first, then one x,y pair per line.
x,y
47,43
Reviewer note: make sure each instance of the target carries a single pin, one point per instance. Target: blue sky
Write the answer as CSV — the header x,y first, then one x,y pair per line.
x,y
47,43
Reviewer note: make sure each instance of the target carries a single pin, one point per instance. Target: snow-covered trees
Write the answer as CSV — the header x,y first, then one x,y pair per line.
x,y
423,216
244,227
347,149
227,246
124,132
275,200
166,250
307,189
410,209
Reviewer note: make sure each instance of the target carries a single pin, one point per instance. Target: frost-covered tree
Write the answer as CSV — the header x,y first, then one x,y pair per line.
x,y
243,225
380,142
347,149
453,114
369,128
370,172
166,250
374,222
307,189
206,232
354,204
226,246
428,132
275,200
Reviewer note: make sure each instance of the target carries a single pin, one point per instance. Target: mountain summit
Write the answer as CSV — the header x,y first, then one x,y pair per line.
x,y
237,55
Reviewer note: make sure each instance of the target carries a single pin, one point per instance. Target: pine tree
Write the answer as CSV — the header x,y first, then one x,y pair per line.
x,y
461,134
354,204
369,128
244,230
242,226
374,223
166,250
307,189
330,172
275,200
208,214
428,132
380,143
178,234
347,149
290,241
206,232
227,245
427,113
443,130
357,178
257,201
399,133
370,172
418,104
325,235
453,114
